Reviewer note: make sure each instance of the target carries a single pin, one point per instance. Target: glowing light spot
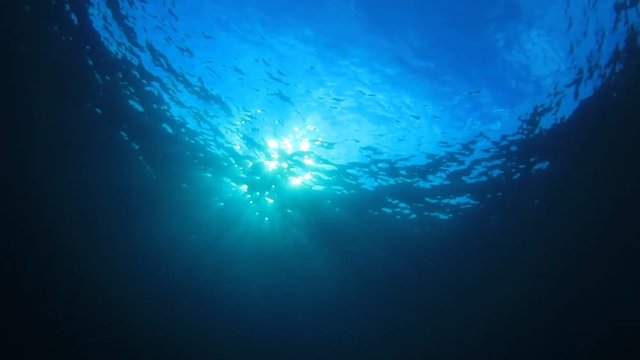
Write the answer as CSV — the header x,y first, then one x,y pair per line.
x,y
297,180
288,146
304,146
307,161
271,165
285,165
269,200
272,144
244,187
307,176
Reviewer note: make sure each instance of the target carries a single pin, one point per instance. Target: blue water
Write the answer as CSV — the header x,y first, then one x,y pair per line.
x,y
321,179
407,103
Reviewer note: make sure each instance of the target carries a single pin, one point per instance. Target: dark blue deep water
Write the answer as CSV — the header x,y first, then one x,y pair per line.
x,y
320,179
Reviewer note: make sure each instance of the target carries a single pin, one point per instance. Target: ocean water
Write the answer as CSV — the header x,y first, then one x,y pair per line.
x,y
323,179
407,104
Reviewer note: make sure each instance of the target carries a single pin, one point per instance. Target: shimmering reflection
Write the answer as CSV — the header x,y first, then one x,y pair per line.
x,y
286,167
391,106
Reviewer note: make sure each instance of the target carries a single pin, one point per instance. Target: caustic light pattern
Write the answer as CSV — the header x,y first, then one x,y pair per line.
x,y
410,103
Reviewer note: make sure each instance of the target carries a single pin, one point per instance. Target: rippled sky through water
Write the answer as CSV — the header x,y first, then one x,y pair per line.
x,y
360,97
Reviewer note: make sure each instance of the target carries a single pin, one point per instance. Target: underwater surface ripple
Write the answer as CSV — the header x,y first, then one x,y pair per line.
x,y
406,105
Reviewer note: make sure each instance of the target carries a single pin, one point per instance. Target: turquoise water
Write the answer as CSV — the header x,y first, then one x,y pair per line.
x,y
408,104
321,179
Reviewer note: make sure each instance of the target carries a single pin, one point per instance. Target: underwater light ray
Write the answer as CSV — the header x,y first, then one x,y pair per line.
x,y
348,109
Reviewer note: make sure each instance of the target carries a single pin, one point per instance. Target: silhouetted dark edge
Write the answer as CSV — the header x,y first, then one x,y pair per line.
x,y
549,270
